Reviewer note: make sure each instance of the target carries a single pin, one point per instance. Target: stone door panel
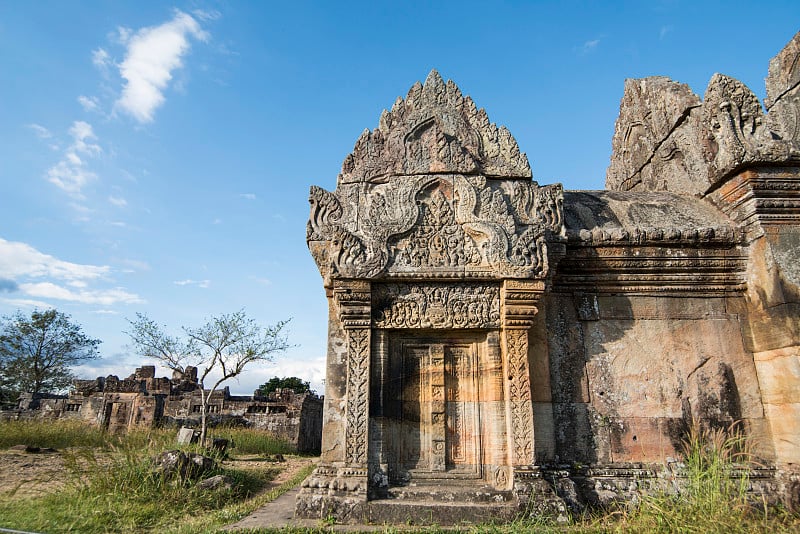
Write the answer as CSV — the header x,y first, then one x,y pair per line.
x,y
434,408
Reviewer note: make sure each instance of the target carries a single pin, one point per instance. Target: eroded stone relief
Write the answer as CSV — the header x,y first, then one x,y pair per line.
x,y
666,139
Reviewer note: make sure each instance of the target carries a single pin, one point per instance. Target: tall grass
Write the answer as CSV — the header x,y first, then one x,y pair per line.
x,y
112,486
55,434
61,434
252,441
714,497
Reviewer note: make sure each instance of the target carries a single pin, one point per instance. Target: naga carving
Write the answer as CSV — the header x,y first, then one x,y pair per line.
x,y
454,225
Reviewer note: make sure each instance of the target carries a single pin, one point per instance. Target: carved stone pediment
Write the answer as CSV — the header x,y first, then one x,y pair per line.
x,y
434,130
437,191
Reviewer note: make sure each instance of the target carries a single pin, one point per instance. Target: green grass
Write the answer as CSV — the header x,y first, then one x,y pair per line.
x,y
251,441
64,433
112,488
58,435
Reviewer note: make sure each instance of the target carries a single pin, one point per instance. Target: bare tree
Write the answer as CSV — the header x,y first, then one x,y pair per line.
x,y
225,345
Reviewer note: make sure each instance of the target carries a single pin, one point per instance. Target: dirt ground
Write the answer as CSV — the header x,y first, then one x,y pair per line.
x,y
30,475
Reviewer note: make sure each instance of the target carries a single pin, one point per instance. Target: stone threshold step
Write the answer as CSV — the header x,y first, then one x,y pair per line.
x,y
448,494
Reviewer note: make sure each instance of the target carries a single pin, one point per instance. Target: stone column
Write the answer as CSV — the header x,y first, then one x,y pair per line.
x,y
518,299
338,486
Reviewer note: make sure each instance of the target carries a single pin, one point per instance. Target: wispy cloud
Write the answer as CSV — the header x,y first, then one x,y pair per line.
x,y
152,55
101,59
41,131
71,173
118,201
206,15
664,31
199,283
89,103
248,196
27,303
589,46
133,266
25,270
103,297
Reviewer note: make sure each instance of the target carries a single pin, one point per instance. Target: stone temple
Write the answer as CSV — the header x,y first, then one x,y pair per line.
x,y
497,346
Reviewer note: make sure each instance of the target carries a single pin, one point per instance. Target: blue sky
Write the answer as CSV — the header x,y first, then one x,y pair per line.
x,y
157,157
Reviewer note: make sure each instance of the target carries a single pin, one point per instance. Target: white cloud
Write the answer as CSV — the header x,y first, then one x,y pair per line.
x,y
41,131
248,196
24,267
20,259
27,303
199,283
70,174
664,31
153,53
69,177
118,201
82,132
89,103
103,297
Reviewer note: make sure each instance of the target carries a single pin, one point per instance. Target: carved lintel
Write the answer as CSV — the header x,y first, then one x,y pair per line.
x,y
436,305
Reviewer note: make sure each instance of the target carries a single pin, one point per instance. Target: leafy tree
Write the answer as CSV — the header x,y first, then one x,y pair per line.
x,y
222,347
298,385
36,352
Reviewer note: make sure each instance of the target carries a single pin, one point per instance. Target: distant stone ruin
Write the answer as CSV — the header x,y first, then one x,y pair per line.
x,y
498,346
142,401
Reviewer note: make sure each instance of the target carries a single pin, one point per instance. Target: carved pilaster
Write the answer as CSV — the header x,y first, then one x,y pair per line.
x,y
353,299
518,308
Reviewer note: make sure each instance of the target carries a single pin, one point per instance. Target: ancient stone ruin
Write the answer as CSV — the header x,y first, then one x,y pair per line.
x,y
143,400
497,346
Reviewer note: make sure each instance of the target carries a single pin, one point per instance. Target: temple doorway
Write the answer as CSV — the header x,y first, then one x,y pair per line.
x,y
432,397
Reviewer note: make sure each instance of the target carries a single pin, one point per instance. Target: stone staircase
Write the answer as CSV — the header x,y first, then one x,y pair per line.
x,y
452,503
